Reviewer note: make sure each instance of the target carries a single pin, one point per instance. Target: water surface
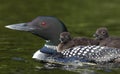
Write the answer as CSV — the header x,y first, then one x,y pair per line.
x,y
81,17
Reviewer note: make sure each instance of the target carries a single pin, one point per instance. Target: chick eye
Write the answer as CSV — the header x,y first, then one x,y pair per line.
x,y
103,32
43,23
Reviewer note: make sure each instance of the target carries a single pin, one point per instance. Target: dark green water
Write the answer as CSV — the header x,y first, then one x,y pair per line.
x,y
82,18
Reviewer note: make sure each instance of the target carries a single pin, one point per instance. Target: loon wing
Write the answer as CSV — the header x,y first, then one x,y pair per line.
x,y
93,53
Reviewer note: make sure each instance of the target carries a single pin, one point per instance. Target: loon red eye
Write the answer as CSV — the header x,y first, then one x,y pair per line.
x,y
43,23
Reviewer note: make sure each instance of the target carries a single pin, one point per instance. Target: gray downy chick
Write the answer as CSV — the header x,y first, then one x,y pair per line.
x,y
66,41
104,39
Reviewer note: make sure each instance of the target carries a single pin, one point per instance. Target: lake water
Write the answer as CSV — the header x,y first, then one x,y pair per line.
x,y
82,18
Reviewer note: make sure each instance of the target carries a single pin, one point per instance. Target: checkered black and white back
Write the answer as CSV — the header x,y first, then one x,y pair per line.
x,y
93,53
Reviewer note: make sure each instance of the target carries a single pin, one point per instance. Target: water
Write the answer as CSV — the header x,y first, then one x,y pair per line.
x,y
81,17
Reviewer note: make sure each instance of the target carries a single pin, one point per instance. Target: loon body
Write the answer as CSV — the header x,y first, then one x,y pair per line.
x,y
49,28
97,54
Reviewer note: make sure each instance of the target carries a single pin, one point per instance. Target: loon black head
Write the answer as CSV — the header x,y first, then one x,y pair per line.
x,y
49,28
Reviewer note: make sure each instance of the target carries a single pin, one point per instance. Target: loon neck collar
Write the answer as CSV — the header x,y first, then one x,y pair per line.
x,y
49,48
52,42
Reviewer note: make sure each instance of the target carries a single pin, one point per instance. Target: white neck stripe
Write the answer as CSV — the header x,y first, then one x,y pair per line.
x,y
51,46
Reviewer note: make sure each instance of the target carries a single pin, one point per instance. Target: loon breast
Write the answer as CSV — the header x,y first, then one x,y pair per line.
x,y
93,53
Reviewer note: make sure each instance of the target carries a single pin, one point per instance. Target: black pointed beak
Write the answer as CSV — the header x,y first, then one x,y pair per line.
x,y
20,26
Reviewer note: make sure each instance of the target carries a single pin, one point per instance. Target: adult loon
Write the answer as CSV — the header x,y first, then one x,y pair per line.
x,y
49,28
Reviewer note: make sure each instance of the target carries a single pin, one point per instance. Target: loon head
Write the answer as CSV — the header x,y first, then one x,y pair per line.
x,y
47,27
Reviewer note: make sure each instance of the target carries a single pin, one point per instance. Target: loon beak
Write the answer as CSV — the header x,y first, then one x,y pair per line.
x,y
20,26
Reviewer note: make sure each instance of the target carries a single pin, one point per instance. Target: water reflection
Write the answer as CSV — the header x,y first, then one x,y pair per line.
x,y
18,59
81,67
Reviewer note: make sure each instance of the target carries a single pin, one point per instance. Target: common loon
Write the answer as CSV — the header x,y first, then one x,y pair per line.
x,y
104,39
49,28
